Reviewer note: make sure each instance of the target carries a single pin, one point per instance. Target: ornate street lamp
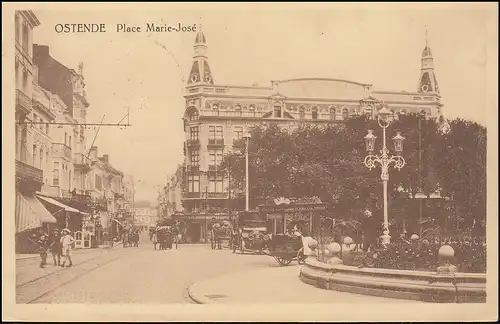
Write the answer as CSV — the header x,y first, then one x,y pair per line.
x,y
384,160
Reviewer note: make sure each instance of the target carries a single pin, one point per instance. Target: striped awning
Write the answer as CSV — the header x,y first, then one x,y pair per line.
x,y
58,204
30,213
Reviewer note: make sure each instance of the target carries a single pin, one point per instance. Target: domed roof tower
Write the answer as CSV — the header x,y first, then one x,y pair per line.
x,y
200,71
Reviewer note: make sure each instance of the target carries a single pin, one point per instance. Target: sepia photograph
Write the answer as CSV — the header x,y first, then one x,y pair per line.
x,y
246,155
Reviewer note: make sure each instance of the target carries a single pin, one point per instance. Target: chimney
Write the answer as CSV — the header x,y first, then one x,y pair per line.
x,y
93,153
105,158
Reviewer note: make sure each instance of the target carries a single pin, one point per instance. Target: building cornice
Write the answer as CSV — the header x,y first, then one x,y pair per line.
x,y
31,17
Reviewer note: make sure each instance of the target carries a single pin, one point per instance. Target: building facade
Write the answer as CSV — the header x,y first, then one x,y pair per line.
x,y
145,217
170,199
32,142
216,117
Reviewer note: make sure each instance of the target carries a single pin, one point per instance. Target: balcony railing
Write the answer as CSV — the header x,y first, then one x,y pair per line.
x,y
193,168
219,195
215,142
81,160
191,195
61,150
193,142
214,167
23,101
28,172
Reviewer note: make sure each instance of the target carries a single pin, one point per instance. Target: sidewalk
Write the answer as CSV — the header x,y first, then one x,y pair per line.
x,y
74,251
272,285
28,270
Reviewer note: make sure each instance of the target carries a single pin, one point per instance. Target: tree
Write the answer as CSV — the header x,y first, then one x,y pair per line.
x,y
328,162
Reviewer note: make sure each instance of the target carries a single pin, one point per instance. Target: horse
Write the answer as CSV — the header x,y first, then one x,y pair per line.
x,y
218,231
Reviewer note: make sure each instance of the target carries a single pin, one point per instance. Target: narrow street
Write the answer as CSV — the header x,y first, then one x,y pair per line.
x,y
130,275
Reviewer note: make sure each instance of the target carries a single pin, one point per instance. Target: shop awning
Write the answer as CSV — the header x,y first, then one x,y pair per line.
x,y
30,213
58,204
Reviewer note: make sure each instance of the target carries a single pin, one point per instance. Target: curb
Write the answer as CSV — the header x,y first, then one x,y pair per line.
x,y
197,297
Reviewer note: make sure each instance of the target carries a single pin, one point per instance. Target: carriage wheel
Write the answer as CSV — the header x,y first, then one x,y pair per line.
x,y
301,258
282,261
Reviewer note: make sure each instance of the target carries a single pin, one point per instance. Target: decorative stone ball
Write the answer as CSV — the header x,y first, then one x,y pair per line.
x,y
334,247
446,252
334,260
414,237
313,244
348,240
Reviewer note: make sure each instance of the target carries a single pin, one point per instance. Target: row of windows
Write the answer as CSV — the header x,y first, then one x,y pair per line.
x,y
43,127
56,174
216,157
215,184
277,113
214,132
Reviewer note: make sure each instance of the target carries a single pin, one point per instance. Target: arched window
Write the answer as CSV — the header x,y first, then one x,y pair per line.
x,y
302,113
277,111
315,113
332,113
345,113
193,114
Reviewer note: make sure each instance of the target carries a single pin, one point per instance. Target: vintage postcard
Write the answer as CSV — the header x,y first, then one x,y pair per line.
x,y
295,162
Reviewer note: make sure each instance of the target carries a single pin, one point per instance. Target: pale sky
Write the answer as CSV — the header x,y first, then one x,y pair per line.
x,y
368,44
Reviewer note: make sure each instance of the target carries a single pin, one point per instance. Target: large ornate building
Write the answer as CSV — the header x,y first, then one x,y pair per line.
x,y
217,115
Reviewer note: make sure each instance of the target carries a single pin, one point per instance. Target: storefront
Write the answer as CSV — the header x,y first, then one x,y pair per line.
x,y
195,228
32,219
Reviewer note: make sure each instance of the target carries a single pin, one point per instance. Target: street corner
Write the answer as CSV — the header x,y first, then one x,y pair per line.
x,y
246,286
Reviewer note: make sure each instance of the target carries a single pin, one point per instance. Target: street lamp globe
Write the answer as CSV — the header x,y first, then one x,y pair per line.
x,y
370,141
398,142
384,114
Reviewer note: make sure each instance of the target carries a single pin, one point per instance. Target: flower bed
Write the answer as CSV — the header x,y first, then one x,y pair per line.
x,y
470,256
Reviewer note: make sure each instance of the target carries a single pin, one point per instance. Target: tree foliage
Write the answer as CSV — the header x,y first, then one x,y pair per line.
x,y
327,162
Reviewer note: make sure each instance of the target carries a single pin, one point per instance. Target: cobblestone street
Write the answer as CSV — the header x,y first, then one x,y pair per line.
x,y
129,275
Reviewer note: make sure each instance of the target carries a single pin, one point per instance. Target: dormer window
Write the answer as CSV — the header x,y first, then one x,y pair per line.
x,y
302,113
277,111
345,113
332,113
315,113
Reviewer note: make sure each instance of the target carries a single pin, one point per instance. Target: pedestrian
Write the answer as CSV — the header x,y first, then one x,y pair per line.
x,y
55,246
370,231
66,243
43,247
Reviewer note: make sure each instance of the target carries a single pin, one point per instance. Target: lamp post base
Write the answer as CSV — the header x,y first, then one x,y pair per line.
x,y
386,238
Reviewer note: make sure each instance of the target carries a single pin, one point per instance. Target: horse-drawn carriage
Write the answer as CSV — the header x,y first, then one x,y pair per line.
x,y
165,236
250,234
286,247
221,233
